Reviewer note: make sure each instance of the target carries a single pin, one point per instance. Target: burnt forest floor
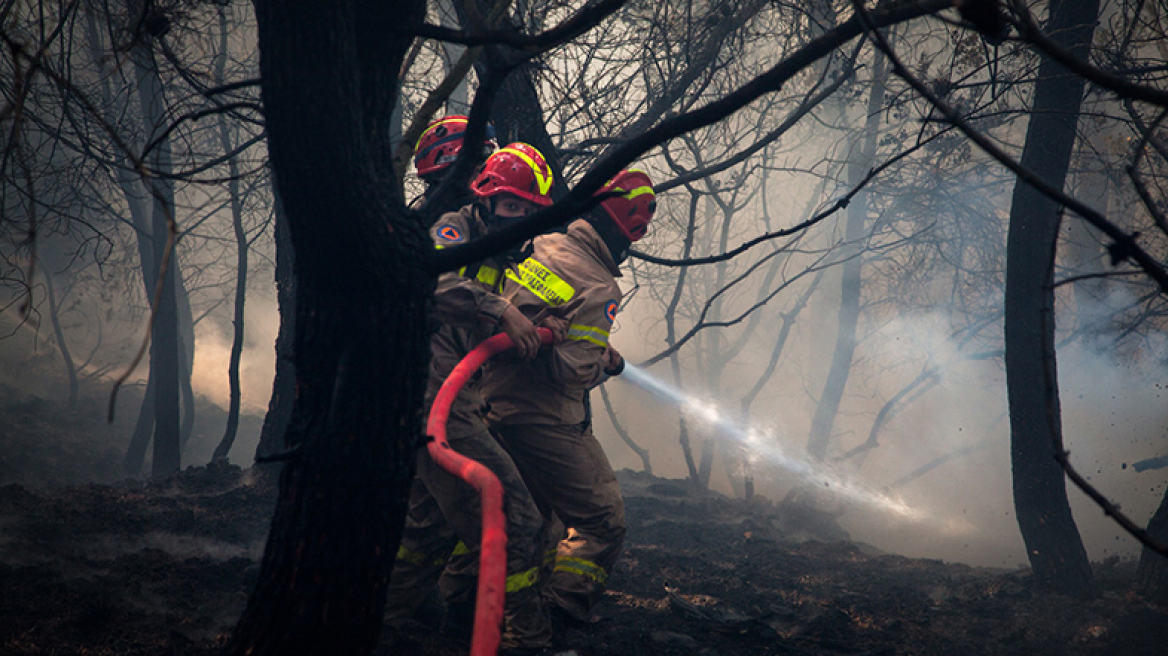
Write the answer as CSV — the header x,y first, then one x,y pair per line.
x,y
156,568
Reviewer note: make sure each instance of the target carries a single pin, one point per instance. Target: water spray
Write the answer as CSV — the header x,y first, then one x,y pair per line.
x,y
763,446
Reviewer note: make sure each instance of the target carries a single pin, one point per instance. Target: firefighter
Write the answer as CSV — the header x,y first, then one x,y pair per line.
x,y
421,563
539,407
513,183
434,154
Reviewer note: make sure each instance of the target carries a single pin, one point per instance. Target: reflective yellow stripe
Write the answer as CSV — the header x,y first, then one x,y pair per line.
x,y
545,183
444,121
517,582
639,191
588,333
549,557
419,559
585,568
487,275
460,549
546,285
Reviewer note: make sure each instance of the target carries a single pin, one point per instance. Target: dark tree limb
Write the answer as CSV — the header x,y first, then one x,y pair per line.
x,y
580,198
840,203
888,410
799,112
586,18
1124,246
1030,33
1110,509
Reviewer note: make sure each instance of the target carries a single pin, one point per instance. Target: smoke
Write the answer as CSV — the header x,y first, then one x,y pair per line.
x,y
945,450
763,449
257,361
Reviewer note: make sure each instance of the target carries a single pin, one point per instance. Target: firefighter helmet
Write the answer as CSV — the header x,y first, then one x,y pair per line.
x,y
441,142
517,169
632,211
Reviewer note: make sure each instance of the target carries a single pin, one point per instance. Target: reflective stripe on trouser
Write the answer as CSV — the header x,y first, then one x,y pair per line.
x,y
567,469
427,542
527,623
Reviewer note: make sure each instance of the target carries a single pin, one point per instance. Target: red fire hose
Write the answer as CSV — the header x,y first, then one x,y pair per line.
x,y
493,551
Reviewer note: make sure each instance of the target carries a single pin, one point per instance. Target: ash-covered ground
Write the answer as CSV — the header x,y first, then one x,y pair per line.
x,y
164,568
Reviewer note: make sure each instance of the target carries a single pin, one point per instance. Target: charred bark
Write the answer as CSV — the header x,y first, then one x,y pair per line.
x,y
235,394
362,329
284,386
1052,539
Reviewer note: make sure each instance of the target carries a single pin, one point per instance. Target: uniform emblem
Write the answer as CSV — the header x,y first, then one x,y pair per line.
x,y
610,310
449,233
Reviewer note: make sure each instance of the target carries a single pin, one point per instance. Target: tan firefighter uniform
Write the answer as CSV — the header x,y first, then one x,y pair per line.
x,y
444,510
538,408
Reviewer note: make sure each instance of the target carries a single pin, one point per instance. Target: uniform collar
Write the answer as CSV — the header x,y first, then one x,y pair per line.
x,y
583,232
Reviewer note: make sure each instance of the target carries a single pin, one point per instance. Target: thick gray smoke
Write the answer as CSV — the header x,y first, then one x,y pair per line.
x,y
945,454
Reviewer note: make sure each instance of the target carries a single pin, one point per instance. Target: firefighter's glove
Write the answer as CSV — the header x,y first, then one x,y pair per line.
x,y
521,331
558,326
613,363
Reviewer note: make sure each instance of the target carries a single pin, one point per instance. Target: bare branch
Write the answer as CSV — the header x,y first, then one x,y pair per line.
x,y
1110,509
838,205
585,19
1030,33
1124,246
580,198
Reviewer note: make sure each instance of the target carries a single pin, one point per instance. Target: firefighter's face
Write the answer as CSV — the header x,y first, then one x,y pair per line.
x,y
513,207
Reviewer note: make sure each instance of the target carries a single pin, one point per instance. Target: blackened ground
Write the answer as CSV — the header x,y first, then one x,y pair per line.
x,y
164,567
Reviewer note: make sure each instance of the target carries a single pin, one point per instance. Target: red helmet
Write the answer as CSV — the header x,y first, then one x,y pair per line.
x,y
517,169
632,211
441,142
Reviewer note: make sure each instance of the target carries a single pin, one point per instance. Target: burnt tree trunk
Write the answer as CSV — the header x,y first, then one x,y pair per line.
x,y
241,248
362,328
1152,574
143,428
284,385
1052,539
144,208
164,346
819,438
186,355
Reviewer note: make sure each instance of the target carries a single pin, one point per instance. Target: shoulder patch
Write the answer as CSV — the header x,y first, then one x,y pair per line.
x,y
610,310
449,233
